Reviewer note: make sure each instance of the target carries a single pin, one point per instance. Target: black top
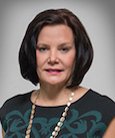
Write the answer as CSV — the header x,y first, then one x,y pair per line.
x,y
87,117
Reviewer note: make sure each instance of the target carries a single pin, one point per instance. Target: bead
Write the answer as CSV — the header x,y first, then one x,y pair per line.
x,y
31,121
33,111
57,128
32,116
64,114
59,124
54,133
62,119
68,104
28,131
66,109
27,136
70,99
72,94
29,126
51,137
33,106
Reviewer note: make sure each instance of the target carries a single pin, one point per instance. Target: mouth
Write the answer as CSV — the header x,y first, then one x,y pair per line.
x,y
54,71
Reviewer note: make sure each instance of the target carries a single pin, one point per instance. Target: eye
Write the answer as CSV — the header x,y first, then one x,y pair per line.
x,y
42,49
64,49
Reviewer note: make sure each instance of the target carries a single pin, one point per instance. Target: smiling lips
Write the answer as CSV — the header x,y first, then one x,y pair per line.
x,y
54,71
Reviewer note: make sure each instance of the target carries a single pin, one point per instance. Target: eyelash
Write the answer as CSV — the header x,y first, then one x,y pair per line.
x,y
64,49
41,49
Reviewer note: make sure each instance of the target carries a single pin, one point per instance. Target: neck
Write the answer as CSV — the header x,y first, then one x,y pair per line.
x,y
53,95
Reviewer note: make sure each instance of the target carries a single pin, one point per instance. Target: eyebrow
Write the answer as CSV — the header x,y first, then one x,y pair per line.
x,y
62,44
42,44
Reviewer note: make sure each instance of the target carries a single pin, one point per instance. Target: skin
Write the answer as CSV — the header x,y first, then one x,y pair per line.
x,y
3,133
54,40
55,56
53,53
110,132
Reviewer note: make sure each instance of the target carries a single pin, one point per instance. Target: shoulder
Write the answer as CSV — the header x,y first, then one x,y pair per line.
x,y
17,101
103,103
101,98
14,106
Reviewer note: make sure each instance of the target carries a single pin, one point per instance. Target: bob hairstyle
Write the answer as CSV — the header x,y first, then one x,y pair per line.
x,y
83,46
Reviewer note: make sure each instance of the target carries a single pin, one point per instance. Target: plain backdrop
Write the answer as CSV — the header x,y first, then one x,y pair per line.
x,y
97,17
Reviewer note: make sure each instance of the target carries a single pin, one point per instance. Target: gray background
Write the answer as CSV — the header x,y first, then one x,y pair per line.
x,y
99,20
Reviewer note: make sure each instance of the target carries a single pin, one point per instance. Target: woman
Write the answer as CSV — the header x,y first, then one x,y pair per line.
x,y
56,52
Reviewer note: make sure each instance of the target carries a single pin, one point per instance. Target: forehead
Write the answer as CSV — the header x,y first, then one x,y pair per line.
x,y
56,33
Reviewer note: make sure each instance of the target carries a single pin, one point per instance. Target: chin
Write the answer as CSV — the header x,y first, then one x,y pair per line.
x,y
55,82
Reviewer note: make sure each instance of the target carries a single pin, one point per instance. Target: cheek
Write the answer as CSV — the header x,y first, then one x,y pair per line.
x,y
70,61
38,59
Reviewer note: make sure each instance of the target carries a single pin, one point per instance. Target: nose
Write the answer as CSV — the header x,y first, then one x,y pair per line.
x,y
53,57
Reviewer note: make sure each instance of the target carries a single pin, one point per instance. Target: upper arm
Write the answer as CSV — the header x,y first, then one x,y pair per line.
x,y
3,133
110,132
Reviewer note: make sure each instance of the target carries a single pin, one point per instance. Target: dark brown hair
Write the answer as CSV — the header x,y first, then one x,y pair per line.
x,y
84,51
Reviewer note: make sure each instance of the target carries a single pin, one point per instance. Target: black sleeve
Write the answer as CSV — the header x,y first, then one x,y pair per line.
x,y
15,103
109,108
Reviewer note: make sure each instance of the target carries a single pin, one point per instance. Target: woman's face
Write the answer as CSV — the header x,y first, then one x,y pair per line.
x,y
55,54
